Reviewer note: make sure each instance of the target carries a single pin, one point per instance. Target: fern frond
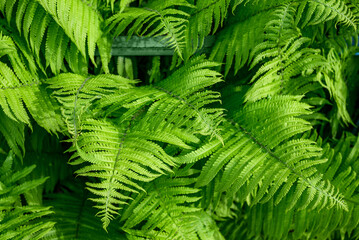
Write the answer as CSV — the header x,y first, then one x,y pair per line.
x,y
265,159
331,78
127,150
166,211
19,88
11,80
157,18
282,26
236,41
12,94
78,30
308,223
312,12
32,29
17,220
54,26
119,157
287,70
289,62
30,62
7,46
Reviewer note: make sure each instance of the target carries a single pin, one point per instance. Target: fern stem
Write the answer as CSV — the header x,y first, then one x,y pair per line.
x,y
279,48
120,148
36,83
75,106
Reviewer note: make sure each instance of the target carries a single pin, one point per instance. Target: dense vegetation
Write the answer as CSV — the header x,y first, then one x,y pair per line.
x,y
255,139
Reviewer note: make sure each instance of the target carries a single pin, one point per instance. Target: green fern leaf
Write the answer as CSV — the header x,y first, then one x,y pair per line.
x,y
205,19
85,34
87,28
76,93
19,88
132,143
17,220
120,158
263,160
166,211
331,78
317,11
14,134
310,223
235,42
158,18
177,102
286,71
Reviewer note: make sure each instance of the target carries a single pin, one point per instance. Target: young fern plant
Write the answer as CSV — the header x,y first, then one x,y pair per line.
x,y
254,139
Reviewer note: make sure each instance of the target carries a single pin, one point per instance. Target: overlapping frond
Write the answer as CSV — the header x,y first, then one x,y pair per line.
x,y
164,158
129,150
14,134
87,28
19,220
287,69
157,18
312,12
280,29
120,157
76,93
167,211
268,218
13,81
265,160
235,42
68,29
20,88
331,78
178,102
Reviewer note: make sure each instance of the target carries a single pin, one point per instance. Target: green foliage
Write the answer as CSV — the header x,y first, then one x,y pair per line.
x,y
70,218
264,165
167,211
256,139
17,219
156,18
